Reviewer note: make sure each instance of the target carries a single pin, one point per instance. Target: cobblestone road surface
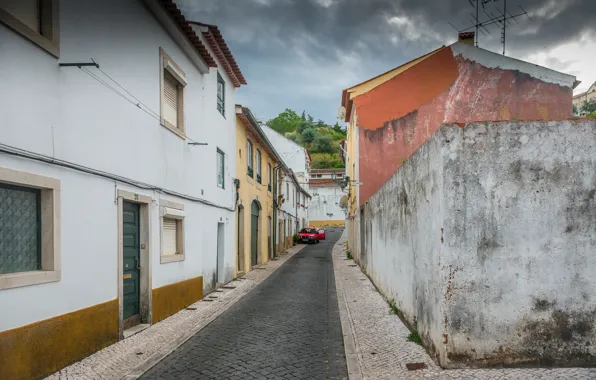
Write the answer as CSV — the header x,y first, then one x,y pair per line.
x,y
286,328
381,338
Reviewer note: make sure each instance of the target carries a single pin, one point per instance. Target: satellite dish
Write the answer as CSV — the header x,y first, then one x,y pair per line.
x,y
343,202
341,113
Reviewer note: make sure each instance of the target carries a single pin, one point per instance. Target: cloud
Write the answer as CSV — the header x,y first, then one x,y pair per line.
x,y
300,54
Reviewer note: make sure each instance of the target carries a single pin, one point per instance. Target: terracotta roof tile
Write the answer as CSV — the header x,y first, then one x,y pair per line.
x,y
185,27
222,51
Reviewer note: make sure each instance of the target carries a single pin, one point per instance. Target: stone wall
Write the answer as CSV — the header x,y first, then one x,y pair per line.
x,y
485,239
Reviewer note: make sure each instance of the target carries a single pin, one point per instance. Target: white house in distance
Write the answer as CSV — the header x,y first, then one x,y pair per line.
x,y
325,209
116,189
293,208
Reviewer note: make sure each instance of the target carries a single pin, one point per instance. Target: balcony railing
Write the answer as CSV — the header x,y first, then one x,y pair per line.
x,y
258,178
250,171
269,187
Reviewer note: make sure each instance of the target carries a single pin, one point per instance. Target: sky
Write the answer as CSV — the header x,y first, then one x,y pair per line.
x,y
301,54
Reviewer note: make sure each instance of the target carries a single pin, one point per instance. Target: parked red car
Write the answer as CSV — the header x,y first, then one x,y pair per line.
x,y
311,235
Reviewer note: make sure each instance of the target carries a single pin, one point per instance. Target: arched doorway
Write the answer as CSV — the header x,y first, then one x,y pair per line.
x,y
240,235
254,232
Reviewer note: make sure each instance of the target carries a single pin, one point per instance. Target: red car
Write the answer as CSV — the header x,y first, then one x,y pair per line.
x,y
311,235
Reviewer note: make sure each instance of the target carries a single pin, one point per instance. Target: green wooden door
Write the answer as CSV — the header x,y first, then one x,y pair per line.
x,y
131,259
254,232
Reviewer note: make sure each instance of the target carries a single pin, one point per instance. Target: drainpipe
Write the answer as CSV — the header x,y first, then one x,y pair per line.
x,y
275,208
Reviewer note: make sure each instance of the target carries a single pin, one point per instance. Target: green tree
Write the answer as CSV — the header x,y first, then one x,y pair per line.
x,y
323,144
285,121
326,161
308,136
574,111
589,107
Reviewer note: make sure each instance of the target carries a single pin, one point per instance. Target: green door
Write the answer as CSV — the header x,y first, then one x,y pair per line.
x,y
131,260
254,232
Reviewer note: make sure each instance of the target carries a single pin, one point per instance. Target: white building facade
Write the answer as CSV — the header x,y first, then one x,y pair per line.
x,y
325,208
293,207
116,188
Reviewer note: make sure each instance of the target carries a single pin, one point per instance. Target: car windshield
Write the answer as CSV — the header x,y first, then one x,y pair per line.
x,y
308,231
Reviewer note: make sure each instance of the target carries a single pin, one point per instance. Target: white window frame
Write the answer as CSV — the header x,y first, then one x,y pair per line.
x,y
48,38
249,157
172,210
269,177
259,162
221,100
221,168
167,64
50,229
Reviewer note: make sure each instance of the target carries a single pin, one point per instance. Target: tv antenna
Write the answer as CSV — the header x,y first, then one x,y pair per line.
x,y
481,22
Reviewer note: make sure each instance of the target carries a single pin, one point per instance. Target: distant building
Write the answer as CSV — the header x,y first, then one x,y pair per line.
x,y
580,99
326,194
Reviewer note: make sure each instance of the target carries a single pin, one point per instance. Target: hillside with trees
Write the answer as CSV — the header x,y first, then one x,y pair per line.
x,y
321,139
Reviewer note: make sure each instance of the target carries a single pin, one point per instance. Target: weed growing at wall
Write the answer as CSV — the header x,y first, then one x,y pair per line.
x,y
393,307
348,255
415,337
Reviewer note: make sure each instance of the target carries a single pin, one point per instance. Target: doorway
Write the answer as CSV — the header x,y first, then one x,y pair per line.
x,y
254,232
134,260
220,253
131,264
269,250
240,232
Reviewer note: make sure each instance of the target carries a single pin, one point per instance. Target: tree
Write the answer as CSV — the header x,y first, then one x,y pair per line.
x,y
303,115
323,144
589,107
308,136
574,111
326,161
285,121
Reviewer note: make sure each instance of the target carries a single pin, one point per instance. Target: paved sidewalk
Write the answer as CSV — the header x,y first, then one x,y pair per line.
x,y
131,357
380,338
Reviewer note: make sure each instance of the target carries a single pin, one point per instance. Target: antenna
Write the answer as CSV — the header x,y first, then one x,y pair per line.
x,y
503,18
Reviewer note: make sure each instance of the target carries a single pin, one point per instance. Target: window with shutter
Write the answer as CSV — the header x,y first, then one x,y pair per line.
x,y
170,88
220,169
170,236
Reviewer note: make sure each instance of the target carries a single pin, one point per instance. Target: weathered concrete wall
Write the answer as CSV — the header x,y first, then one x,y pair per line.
x,y
485,239
458,84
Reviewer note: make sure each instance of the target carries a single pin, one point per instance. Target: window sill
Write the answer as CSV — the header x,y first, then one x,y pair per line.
x,y
250,180
16,25
173,129
170,259
17,280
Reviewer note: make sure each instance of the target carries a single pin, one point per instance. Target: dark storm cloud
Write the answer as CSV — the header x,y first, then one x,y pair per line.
x,y
301,53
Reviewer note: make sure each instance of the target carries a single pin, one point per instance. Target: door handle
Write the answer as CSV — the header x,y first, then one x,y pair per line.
x,y
138,263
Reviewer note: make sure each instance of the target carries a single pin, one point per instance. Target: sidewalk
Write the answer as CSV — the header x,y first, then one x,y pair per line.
x,y
376,341
133,356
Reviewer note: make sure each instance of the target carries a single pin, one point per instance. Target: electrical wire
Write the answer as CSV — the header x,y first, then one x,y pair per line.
x,y
92,75
13,151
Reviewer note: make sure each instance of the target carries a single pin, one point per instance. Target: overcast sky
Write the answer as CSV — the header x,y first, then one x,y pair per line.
x,y
301,54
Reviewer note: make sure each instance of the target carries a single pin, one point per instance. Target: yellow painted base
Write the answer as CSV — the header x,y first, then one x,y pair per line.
x,y
328,223
42,348
170,299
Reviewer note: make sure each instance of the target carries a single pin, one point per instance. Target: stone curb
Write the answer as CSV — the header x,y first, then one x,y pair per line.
x,y
353,359
167,349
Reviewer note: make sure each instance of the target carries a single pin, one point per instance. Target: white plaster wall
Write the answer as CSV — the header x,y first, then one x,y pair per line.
x,y
64,113
331,195
292,154
402,240
520,227
484,238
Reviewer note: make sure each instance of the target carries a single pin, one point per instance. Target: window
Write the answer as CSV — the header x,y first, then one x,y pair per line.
x,y
249,157
29,229
172,232
288,191
35,20
220,168
269,178
221,95
173,81
258,166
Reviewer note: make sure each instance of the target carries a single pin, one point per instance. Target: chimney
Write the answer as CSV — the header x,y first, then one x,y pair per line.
x,y
466,38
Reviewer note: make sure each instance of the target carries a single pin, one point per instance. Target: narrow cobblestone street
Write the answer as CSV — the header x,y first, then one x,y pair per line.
x,y
286,328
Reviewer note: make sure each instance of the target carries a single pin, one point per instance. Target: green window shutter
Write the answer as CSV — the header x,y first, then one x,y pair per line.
x,y
20,229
